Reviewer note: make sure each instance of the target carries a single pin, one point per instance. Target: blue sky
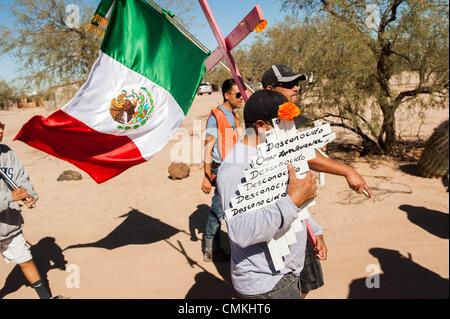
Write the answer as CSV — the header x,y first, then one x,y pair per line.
x,y
227,12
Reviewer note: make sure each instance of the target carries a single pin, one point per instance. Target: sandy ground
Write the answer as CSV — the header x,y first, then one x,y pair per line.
x,y
132,237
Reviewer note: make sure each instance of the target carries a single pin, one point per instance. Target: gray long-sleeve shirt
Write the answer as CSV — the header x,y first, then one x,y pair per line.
x,y
11,220
252,270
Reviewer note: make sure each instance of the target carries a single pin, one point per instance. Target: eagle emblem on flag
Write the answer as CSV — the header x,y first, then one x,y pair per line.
x,y
132,109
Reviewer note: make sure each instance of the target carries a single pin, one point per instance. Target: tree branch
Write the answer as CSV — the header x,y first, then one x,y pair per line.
x,y
413,93
402,56
327,7
357,130
387,19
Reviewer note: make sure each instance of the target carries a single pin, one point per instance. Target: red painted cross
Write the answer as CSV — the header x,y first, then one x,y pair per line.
x,y
254,21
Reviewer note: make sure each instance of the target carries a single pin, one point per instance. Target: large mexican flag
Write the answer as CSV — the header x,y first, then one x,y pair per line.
x,y
137,94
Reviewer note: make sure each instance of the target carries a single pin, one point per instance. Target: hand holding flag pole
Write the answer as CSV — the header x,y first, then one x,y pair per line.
x,y
12,185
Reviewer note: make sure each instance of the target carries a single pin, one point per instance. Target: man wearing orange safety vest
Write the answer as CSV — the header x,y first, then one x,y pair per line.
x,y
221,135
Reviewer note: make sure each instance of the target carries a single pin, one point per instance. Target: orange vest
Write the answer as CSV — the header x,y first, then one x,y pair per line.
x,y
226,135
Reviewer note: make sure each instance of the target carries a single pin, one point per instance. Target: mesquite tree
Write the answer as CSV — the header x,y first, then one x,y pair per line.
x,y
360,49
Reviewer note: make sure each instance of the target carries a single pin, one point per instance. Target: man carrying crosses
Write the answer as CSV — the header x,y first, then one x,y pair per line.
x,y
282,79
221,135
253,272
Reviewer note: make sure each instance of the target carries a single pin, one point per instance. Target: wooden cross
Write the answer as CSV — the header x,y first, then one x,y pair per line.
x,y
253,20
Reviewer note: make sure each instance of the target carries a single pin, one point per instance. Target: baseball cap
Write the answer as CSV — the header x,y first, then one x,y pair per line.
x,y
263,105
280,73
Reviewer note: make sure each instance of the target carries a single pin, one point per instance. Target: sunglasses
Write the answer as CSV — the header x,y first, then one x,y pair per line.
x,y
238,95
286,85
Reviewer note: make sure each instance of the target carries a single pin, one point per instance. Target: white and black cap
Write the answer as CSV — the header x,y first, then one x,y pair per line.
x,y
280,73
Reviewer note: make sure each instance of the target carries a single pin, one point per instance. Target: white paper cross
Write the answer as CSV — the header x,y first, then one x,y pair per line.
x,y
266,180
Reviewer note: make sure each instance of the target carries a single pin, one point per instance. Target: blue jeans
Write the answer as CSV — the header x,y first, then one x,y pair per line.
x,y
288,287
212,231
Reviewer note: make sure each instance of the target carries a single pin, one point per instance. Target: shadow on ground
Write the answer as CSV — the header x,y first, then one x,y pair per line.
x,y
433,221
401,278
47,255
137,229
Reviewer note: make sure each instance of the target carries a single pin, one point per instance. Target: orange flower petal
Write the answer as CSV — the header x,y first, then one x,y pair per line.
x,y
288,110
260,27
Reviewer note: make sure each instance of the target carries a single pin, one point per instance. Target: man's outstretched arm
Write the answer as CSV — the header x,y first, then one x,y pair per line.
x,y
330,166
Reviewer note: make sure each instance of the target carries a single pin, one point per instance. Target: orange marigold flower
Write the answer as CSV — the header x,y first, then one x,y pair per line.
x,y
260,27
288,110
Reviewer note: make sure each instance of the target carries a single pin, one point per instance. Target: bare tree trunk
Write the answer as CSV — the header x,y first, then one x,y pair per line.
x,y
388,137
369,147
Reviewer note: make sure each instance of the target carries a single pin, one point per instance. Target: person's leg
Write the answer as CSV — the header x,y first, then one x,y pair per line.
x,y
212,228
19,253
311,277
216,207
31,273
213,249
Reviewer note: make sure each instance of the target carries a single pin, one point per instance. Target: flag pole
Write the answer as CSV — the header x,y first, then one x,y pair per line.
x,y
191,37
10,182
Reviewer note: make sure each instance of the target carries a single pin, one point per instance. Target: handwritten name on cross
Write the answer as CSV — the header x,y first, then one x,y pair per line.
x,y
267,179
254,19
